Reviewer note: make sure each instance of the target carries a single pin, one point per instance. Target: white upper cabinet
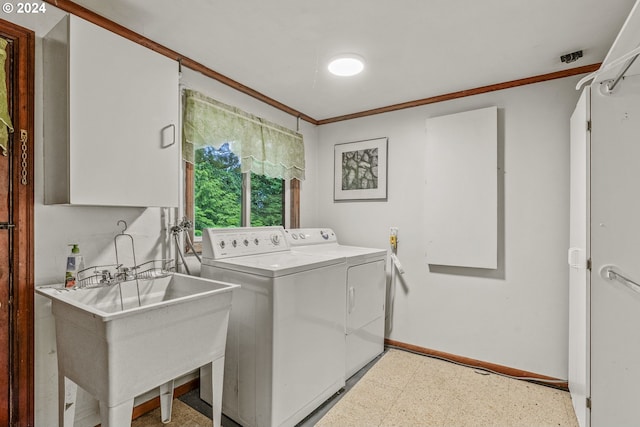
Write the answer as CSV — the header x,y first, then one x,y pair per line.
x,y
111,111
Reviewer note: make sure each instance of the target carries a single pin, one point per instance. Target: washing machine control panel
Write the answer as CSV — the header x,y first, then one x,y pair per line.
x,y
219,243
310,236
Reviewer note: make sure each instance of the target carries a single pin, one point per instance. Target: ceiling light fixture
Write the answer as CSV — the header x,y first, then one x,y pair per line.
x,y
346,65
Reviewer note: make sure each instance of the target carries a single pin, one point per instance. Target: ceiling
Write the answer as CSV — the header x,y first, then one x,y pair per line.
x,y
413,49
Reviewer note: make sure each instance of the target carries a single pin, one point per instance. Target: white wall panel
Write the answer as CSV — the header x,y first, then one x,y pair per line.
x,y
461,193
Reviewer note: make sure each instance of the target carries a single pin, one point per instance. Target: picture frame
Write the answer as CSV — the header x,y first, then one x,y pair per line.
x,y
360,170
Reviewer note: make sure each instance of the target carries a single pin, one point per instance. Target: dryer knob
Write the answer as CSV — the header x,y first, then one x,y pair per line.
x,y
246,242
275,239
234,243
222,244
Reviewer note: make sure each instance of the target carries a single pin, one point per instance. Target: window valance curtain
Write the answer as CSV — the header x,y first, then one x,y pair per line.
x,y
263,147
5,120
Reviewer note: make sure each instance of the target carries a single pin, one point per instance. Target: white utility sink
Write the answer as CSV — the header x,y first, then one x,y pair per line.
x,y
117,348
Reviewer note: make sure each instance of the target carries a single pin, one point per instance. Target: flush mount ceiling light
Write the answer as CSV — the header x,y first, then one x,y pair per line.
x,y
346,65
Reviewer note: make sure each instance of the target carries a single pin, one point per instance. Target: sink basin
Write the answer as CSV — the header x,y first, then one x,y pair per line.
x,y
118,346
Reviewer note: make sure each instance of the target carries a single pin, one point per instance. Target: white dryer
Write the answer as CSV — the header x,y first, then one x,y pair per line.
x,y
285,343
365,291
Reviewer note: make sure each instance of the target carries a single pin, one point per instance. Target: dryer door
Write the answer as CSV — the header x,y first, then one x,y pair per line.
x,y
365,294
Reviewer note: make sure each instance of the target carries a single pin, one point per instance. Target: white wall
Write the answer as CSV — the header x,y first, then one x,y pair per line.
x,y
517,315
95,227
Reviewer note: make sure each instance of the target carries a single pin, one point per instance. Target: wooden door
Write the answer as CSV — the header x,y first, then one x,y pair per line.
x,y
6,237
16,234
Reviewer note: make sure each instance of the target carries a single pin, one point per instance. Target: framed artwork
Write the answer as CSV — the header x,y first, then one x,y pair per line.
x,y
360,170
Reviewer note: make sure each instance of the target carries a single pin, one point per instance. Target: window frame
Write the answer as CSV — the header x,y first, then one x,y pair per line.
x,y
189,202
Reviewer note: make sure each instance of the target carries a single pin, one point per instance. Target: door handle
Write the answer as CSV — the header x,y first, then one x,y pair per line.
x,y
352,298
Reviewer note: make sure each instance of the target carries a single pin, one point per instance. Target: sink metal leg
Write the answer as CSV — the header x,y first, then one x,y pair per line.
x,y
217,375
166,401
118,415
67,392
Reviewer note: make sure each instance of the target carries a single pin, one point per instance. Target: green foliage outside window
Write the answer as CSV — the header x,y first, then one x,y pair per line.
x,y
218,192
266,201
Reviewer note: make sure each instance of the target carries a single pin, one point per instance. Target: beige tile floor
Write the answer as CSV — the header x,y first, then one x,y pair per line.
x,y
181,416
404,389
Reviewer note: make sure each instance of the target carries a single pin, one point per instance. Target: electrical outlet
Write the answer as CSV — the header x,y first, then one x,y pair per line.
x,y
393,237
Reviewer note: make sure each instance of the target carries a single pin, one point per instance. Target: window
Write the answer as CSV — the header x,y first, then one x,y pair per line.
x,y
229,156
218,192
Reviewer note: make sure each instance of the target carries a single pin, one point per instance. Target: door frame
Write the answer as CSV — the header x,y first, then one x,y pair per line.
x,y
22,299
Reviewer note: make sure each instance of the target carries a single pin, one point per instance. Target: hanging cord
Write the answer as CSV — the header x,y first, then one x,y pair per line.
x,y
185,226
184,262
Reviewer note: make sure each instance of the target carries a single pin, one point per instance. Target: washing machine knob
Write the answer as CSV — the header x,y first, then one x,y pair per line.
x,y
275,239
246,242
324,235
256,241
222,244
234,243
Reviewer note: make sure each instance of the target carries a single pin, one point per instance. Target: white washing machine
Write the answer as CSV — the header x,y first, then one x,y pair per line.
x,y
365,291
285,343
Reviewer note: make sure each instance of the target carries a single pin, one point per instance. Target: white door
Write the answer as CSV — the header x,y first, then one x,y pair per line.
x,y
578,255
365,294
615,239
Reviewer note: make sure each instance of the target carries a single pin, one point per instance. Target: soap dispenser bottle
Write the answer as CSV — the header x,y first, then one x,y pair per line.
x,y
75,263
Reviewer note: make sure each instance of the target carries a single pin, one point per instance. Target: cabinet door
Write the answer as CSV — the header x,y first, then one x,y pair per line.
x,y
123,113
615,240
578,255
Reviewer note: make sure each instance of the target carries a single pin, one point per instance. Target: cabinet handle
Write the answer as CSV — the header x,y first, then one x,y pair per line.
x,y
352,298
173,141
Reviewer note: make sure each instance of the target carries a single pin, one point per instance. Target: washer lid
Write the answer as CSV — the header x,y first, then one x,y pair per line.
x,y
277,264
352,254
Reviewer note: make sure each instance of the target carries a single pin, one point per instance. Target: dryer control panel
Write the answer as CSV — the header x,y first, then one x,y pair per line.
x,y
310,236
219,243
